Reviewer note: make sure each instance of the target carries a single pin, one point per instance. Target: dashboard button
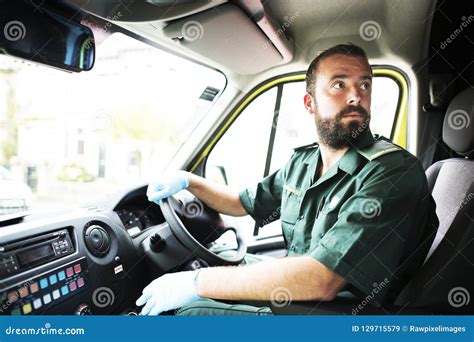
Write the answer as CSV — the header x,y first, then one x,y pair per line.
x,y
53,279
12,296
69,272
16,312
72,286
23,291
61,275
37,303
44,283
64,290
47,298
77,268
56,294
34,287
80,282
27,309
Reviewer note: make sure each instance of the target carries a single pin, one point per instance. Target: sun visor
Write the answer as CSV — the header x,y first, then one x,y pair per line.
x,y
225,34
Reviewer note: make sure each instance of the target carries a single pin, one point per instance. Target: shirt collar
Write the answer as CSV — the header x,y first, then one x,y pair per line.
x,y
351,160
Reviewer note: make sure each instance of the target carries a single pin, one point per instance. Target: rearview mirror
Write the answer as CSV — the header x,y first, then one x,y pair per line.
x,y
45,35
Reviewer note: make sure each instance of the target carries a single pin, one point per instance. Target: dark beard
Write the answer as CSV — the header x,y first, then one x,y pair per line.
x,y
333,133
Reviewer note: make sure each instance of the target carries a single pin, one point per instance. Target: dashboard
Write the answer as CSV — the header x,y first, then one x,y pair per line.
x,y
91,260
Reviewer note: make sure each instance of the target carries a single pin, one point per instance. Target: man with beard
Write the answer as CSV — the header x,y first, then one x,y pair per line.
x,y
355,210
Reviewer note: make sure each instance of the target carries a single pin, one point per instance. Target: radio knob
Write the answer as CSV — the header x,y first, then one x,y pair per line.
x,y
83,310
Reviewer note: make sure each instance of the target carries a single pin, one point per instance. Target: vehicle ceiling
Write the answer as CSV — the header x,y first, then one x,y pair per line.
x,y
310,26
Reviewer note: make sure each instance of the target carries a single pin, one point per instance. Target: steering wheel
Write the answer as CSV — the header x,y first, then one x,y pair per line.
x,y
205,223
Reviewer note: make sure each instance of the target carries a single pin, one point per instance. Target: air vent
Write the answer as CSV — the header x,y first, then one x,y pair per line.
x,y
97,240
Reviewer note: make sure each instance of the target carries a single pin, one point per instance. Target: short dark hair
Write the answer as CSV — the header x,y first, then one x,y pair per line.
x,y
348,49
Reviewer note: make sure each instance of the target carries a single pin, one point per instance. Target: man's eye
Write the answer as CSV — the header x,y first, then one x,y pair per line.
x,y
338,85
365,86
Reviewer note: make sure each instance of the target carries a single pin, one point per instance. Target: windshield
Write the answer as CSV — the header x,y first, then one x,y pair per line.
x,y
74,138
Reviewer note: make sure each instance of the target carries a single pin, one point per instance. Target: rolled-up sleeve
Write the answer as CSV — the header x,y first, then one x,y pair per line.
x,y
263,202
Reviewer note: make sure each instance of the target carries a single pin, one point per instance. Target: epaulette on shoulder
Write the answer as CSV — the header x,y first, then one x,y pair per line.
x,y
379,148
306,147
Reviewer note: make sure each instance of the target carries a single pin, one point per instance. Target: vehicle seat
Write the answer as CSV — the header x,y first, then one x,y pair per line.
x,y
446,280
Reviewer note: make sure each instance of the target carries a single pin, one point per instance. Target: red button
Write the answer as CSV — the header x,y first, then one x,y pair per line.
x,y
77,268
80,282
69,272
72,286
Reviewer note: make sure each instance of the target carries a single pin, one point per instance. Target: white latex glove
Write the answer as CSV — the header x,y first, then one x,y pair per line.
x,y
167,185
169,292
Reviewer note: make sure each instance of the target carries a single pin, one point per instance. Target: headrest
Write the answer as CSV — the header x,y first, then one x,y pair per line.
x,y
458,126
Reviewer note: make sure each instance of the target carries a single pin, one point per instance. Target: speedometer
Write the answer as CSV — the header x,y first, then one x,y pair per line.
x,y
131,221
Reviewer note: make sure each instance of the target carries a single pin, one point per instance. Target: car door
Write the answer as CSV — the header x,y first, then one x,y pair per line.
x,y
262,131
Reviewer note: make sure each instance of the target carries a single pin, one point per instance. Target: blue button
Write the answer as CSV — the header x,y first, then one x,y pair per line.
x,y
44,283
53,279
64,290
61,275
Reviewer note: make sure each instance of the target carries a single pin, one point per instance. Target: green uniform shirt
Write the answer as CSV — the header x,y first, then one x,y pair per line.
x,y
370,218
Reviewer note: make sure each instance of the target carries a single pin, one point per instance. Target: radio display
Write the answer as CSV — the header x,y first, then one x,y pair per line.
x,y
33,256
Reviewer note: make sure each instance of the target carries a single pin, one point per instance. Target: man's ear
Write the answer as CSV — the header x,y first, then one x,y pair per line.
x,y
309,103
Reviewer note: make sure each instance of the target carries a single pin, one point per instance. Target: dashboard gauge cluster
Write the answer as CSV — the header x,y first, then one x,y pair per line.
x,y
136,219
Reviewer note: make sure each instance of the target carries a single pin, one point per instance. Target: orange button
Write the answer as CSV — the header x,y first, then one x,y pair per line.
x,y
34,287
23,292
12,296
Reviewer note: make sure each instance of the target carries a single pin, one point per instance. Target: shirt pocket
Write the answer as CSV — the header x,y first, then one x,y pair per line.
x,y
290,205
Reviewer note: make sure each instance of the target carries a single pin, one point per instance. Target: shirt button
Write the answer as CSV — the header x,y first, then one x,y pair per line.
x,y
300,217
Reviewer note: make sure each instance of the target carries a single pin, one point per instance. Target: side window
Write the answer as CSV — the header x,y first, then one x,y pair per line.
x,y
295,127
241,154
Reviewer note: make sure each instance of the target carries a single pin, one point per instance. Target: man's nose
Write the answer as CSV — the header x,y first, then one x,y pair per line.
x,y
353,97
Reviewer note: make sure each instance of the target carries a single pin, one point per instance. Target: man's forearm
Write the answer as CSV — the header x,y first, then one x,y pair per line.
x,y
219,197
304,278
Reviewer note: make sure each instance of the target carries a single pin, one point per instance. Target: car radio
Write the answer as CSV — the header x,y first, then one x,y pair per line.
x,y
22,255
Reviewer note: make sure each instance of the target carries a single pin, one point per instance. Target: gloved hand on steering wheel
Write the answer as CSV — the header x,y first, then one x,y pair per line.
x,y
168,185
169,292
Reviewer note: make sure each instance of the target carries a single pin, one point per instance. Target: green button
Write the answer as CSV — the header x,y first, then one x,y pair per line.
x,y
16,312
